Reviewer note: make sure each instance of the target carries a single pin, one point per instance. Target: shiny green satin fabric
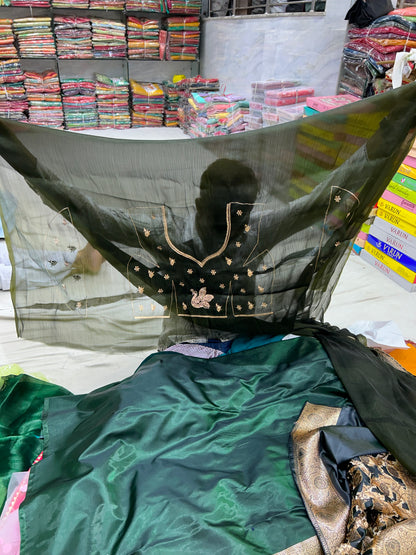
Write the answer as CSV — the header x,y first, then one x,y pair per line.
x,y
186,456
21,406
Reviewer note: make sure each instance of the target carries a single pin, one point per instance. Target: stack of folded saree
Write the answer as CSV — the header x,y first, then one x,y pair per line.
x,y
184,6
108,38
112,102
158,6
215,114
183,38
31,3
172,96
80,105
372,50
13,100
106,4
82,4
7,47
143,38
148,104
34,37
73,37
44,96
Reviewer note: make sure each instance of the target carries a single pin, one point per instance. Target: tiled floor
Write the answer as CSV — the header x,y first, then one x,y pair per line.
x,y
361,294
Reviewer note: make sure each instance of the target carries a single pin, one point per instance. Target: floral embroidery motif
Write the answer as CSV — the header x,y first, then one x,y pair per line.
x,y
146,232
239,307
202,280
172,261
140,290
239,212
160,290
181,283
184,306
165,307
159,248
235,276
261,289
247,228
190,271
228,260
166,276
337,198
218,307
238,244
136,269
79,304
243,291
151,274
201,299
222,286
250,305
249,272
263,305
337,244
213,272
264,267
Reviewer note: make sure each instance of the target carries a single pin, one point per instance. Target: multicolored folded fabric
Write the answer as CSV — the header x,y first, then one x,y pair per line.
x,y
73,37
13,100
31,3
82,4
184,6
113,102
79,102
213,114
7,47
148,103
143,38
35,37
108,38
44,96
106,4
183,38
146,6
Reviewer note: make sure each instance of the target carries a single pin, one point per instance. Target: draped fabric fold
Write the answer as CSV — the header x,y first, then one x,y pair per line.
x,y
191,239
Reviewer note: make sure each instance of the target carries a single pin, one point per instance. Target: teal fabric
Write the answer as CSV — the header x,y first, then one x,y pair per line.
x,y
21,406
186,456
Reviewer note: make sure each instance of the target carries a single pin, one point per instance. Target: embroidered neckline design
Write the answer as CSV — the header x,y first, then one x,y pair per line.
x,y
201,263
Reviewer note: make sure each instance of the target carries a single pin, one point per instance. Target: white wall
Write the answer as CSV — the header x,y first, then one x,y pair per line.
x,y
306,47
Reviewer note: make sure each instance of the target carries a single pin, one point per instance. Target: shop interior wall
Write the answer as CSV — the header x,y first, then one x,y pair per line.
x,y
239,50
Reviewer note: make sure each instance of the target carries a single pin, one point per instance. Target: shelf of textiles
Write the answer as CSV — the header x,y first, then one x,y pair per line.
x,y
102,102
172,38
388,242
370,52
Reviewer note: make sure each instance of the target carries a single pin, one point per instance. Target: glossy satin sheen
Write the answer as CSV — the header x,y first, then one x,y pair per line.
x,y
186,456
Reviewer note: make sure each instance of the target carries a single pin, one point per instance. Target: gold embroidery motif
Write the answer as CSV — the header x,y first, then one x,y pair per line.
x,y
136,269
166,276
239,212
172,261
337,198
159,248
247,228
201,280
249,272
140,289
222,286
250,305
261,289
201,263
235,276
239,307
228,260
218,307
243,291
181,283
190,271
79,304
201,299
213,272
184,306
160,290
151,274
238,244
146,232
337,244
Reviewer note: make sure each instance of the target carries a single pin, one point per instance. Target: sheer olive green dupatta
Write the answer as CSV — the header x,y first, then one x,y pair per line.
x,y
244,233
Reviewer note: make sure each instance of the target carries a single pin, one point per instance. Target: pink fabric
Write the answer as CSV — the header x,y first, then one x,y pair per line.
x,y
410,161
9,520
399,201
